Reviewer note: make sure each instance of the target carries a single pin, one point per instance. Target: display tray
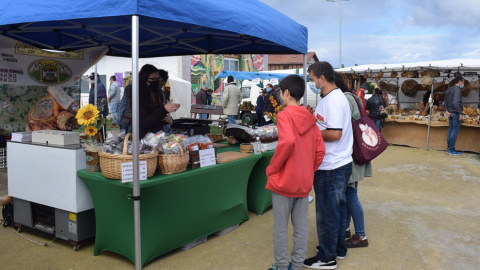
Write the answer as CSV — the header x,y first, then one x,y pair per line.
x,y
230,156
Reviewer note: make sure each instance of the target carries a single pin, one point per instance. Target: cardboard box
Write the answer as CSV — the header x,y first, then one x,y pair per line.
x,y
56,137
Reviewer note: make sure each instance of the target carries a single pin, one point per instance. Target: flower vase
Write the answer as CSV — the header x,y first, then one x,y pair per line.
x,y
93,161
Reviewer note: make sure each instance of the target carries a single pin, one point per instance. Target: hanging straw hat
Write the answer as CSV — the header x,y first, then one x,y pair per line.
x,y
410,88
394,74
427,80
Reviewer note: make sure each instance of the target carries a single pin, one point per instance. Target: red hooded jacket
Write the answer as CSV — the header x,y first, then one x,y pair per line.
x,y
361,94
299,153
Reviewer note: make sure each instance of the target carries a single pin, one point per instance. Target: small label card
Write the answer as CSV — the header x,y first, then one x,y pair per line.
x,y
207,157
127,171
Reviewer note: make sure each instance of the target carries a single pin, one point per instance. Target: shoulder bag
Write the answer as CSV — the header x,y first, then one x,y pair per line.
x,y
368,142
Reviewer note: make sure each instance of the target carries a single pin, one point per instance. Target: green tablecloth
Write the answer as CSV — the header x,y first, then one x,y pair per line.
x,y
259,198
175,209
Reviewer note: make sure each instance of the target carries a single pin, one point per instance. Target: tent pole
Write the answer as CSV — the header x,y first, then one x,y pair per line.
x,y
430,104
95,90
135,139
305,95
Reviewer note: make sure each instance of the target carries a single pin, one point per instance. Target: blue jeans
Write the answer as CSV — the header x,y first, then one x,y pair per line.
x,y
202,115
453,128
231,119
114,111
331,209
378,123
355,211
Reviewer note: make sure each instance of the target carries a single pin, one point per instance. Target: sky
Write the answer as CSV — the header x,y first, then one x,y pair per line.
x,y
387,31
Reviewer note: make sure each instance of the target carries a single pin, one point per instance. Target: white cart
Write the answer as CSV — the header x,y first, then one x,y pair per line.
x,y
47,193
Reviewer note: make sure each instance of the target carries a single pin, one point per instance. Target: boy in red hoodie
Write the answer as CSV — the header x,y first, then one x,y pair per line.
x,y
299,153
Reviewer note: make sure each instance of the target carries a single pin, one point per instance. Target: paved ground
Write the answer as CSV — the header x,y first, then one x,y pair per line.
x,y
422,211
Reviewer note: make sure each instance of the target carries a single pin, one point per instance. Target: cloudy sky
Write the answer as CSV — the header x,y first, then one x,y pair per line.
x,y
388,31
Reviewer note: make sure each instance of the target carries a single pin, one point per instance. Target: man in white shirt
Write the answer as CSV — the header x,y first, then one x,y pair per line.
x,y
331,179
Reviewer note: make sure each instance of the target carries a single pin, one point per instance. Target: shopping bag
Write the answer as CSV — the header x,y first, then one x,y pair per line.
x,y
368,142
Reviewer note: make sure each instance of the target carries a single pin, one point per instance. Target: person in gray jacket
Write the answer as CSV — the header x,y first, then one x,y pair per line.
x,y
201,99
232,97
114,97
454,110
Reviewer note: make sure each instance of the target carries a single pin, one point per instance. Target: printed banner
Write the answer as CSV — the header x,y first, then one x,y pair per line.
x,y
41,89
23,64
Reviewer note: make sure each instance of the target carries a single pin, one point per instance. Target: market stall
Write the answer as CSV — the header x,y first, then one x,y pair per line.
x,y
139,29
415,93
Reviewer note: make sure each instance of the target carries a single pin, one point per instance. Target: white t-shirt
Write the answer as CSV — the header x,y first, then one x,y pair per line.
x,y
333,112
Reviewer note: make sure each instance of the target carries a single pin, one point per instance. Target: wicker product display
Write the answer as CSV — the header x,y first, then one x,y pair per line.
x,y
474,85
388,87
175,163
246,148
394,74
465,90
111,164
410,88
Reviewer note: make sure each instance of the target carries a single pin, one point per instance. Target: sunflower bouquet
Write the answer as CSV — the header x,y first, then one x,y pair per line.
x,y
90,122
276,109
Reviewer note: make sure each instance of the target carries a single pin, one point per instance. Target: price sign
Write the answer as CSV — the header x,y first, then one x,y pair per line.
x,y
207,157
127,171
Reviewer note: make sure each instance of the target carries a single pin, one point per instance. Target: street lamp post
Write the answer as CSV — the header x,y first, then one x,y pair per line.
x,y
340,32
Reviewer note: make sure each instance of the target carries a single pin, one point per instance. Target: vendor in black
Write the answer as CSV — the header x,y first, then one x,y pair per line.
x,y
373,105
426,97
153,112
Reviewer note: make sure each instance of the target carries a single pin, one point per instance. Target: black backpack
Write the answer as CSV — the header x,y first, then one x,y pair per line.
x,y
7,213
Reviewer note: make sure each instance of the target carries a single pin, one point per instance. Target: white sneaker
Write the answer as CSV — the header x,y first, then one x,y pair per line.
x,y
310,199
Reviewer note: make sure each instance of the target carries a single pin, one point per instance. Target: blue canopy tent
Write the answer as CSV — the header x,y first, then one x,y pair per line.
x,y
149,28
245,75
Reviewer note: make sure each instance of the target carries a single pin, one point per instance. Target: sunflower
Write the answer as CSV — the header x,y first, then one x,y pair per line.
x,y
91,131
87,115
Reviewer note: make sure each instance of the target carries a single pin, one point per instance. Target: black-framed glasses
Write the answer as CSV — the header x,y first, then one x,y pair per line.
x,y
155,79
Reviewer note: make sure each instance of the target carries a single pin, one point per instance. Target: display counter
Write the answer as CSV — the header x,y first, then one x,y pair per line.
x,y
414,133
175,209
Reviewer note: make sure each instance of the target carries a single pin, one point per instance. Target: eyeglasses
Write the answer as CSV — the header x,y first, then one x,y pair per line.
x,y
155,79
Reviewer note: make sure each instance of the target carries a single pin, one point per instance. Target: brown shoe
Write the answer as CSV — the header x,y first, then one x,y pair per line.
x,y
348,234
356,241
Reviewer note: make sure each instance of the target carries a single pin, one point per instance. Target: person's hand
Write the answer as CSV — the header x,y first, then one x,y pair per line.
x,y
171,107
460,117
447,113
168,119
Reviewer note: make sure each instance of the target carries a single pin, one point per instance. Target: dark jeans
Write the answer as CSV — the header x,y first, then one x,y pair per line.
x,y
355,210
378,123
453,128
261,119
331,209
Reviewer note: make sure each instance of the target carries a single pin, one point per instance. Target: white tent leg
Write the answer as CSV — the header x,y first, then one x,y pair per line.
x,y
430,104
305,95
135,139
95,95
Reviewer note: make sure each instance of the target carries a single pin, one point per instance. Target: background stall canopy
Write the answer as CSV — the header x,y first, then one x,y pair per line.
x,y
166,27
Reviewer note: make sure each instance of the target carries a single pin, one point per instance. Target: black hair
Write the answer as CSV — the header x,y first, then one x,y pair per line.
x,y
230,79
378,91
295,85
113,78
340,82
323,68
163,74
144,73
458,79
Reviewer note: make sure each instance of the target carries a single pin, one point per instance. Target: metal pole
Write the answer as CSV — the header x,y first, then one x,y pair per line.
x,y
430,104
135,139
95,86
305,95
340,44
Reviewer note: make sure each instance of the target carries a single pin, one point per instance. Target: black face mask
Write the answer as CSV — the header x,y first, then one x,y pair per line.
x,y
154,85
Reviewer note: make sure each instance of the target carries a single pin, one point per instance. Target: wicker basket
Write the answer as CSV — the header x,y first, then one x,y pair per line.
x,y
215,137
111,164
176,163
246,148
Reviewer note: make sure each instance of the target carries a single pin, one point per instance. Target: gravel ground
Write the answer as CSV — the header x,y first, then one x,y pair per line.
x,y
422,211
